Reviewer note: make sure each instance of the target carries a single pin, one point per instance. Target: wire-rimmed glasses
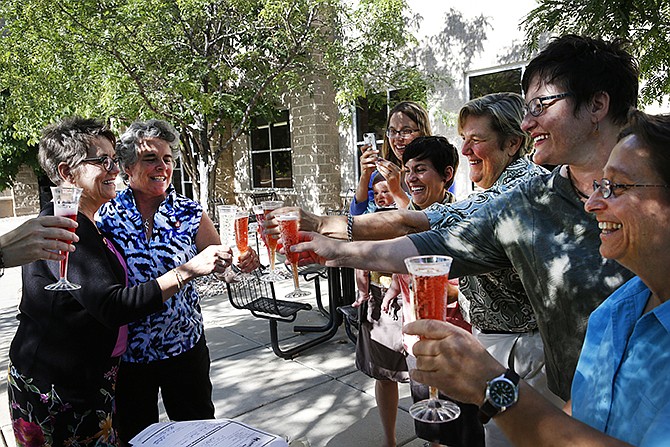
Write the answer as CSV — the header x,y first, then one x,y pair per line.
x,y
538,105
402,133
606,187
108,163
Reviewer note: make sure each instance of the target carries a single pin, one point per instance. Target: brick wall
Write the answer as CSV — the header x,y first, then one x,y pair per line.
x,y
316,151
315,155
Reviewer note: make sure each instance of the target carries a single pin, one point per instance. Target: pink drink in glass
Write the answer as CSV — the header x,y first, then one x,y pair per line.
x,y
428,300
66,204
289,233
430,294
270,242
242,232
64,262
288,227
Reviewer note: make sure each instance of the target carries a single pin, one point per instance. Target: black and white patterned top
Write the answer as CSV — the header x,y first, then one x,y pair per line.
x,y
179,326
497,300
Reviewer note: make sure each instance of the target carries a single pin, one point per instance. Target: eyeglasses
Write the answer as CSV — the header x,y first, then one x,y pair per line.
x,y
403,133
606,187
537,105
107,162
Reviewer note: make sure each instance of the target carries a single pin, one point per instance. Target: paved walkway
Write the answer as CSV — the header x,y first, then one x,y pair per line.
x,y
318,396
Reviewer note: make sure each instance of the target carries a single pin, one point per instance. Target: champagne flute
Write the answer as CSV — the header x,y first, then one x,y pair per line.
x,y
66,204
288,227
271,242
241,227
260,218
227,223
428,300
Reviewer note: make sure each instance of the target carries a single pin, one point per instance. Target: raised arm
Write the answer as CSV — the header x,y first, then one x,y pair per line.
x,y
368,158
383,256
455,362
39,238
393,175
373,226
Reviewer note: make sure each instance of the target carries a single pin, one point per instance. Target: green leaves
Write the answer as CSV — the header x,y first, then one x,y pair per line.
x,y
207,66
645,23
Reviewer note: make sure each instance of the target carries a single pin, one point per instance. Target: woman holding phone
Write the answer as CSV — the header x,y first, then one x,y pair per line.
x,y
406,121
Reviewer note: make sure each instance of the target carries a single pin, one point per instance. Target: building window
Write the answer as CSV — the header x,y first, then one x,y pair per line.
x,y
271,163
494,80
180,179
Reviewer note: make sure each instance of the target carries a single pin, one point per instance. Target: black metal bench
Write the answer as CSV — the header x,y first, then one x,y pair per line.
x,y
258,297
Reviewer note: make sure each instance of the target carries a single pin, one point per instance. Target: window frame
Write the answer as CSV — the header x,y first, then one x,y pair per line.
x,y
492,70
270,125
185,183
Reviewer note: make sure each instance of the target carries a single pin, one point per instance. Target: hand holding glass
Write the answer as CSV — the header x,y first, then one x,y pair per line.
x,y
66,204
242,236
288,227
428,300
271,242
227,223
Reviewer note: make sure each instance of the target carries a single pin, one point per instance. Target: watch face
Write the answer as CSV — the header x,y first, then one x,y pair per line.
x,y
502,392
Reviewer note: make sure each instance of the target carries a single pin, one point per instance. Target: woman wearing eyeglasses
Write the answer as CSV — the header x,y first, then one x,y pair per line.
x,y
540,227
620,393
65,355
406,121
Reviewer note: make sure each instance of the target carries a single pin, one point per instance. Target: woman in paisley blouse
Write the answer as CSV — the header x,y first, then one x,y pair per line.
x,y
495,147
157,229
65,354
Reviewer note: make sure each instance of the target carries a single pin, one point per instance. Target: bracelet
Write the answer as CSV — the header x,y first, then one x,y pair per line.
x,y
2,264
350,227
180,280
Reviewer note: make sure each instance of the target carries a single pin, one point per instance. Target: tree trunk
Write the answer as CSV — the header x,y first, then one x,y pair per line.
x,y
203,174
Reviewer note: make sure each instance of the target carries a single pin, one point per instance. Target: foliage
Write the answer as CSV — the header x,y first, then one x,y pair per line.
x,y
456,44
13,152
446,55
207,66
644,23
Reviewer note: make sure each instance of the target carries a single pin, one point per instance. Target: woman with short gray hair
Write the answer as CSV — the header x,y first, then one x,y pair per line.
x,y
65,354
128,143
157,229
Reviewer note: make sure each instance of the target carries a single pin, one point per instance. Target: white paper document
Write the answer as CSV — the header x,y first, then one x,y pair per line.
x,y
207,433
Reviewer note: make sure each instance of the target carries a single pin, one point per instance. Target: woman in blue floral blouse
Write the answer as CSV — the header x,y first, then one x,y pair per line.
x,y
157,229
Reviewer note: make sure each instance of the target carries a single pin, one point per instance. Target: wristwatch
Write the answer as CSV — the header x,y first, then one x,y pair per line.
x,y
501,393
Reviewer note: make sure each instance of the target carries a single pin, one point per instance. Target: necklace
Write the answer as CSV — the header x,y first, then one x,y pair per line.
x,y
579,193
146,228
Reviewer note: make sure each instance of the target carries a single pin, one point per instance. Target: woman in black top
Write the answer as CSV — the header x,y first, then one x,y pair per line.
x,y
65,354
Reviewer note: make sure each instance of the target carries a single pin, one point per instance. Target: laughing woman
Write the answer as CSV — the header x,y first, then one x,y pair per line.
x,y
431,164
620,392
157,229
65,354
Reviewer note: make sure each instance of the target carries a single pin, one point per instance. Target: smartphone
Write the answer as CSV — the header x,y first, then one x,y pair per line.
x,y
371,139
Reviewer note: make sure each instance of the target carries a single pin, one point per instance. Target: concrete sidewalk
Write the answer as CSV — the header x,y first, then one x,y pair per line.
x,y
319,396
